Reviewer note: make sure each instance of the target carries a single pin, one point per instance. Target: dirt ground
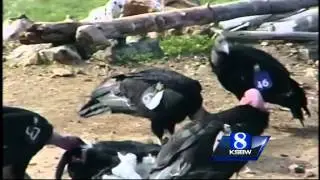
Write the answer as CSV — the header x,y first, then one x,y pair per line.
x,y
59,98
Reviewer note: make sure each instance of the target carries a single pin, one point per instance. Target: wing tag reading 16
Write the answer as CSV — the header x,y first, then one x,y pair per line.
x,y
262,80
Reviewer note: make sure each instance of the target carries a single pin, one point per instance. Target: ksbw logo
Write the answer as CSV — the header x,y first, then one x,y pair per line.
x,y
240,147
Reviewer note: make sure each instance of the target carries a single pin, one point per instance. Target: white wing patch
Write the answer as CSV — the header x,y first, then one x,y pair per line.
x,y
152,96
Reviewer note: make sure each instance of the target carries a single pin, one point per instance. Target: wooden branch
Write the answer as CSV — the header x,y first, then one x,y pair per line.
x,y
254,21
65,32
304,21
263,35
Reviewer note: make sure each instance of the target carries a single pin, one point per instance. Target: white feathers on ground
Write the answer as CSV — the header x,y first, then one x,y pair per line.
x,y
127,166
144,168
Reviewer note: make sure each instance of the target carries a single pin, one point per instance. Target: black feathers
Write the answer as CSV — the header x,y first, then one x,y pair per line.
x,y
92,161
239,68
24,135
166,97
189,150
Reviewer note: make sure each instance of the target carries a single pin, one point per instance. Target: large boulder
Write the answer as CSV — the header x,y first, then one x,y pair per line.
x,y
14,26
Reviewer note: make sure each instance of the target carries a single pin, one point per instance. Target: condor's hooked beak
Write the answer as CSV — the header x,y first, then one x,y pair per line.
x,y
93,107
65,142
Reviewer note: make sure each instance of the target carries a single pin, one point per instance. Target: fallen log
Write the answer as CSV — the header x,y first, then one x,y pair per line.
x,y
263,35
65,32
304,21
254,21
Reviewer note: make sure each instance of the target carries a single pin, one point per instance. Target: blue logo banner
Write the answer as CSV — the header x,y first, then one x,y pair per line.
x,y
240,147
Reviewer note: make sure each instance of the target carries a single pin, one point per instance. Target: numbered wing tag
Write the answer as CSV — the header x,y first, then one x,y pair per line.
x,y
262,80
151,98
32,132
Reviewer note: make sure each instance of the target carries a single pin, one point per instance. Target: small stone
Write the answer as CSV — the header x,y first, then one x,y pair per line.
x,y
293,51
283,109
295,168
202,69
197,32
284,155
62,72
310,62
33,164
80,71
310,173
87,80
310,72
153,35
264,43
304,53
133,70
173,32
289,44
65,54
102,64
188,30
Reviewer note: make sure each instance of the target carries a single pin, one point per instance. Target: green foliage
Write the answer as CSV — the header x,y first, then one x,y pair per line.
x,y
186,45
50,10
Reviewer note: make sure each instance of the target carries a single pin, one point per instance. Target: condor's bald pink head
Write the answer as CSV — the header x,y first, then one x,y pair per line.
x,y
253,97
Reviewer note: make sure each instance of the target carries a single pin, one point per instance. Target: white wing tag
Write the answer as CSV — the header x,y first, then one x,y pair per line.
x,y
151,98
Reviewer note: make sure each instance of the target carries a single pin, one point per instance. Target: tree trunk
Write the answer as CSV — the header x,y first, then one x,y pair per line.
x,y
65,32
254,21
263,35
305,21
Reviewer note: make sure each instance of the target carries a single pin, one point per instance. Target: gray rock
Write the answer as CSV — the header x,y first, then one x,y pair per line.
x,y
295,168
174,32
27,54
90,39
311,72
133,39
264,43
14,26
103,54
65,54
62,72
311,172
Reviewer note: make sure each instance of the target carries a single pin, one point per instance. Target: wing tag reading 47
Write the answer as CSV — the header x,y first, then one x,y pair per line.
x,y
262,80
240,146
